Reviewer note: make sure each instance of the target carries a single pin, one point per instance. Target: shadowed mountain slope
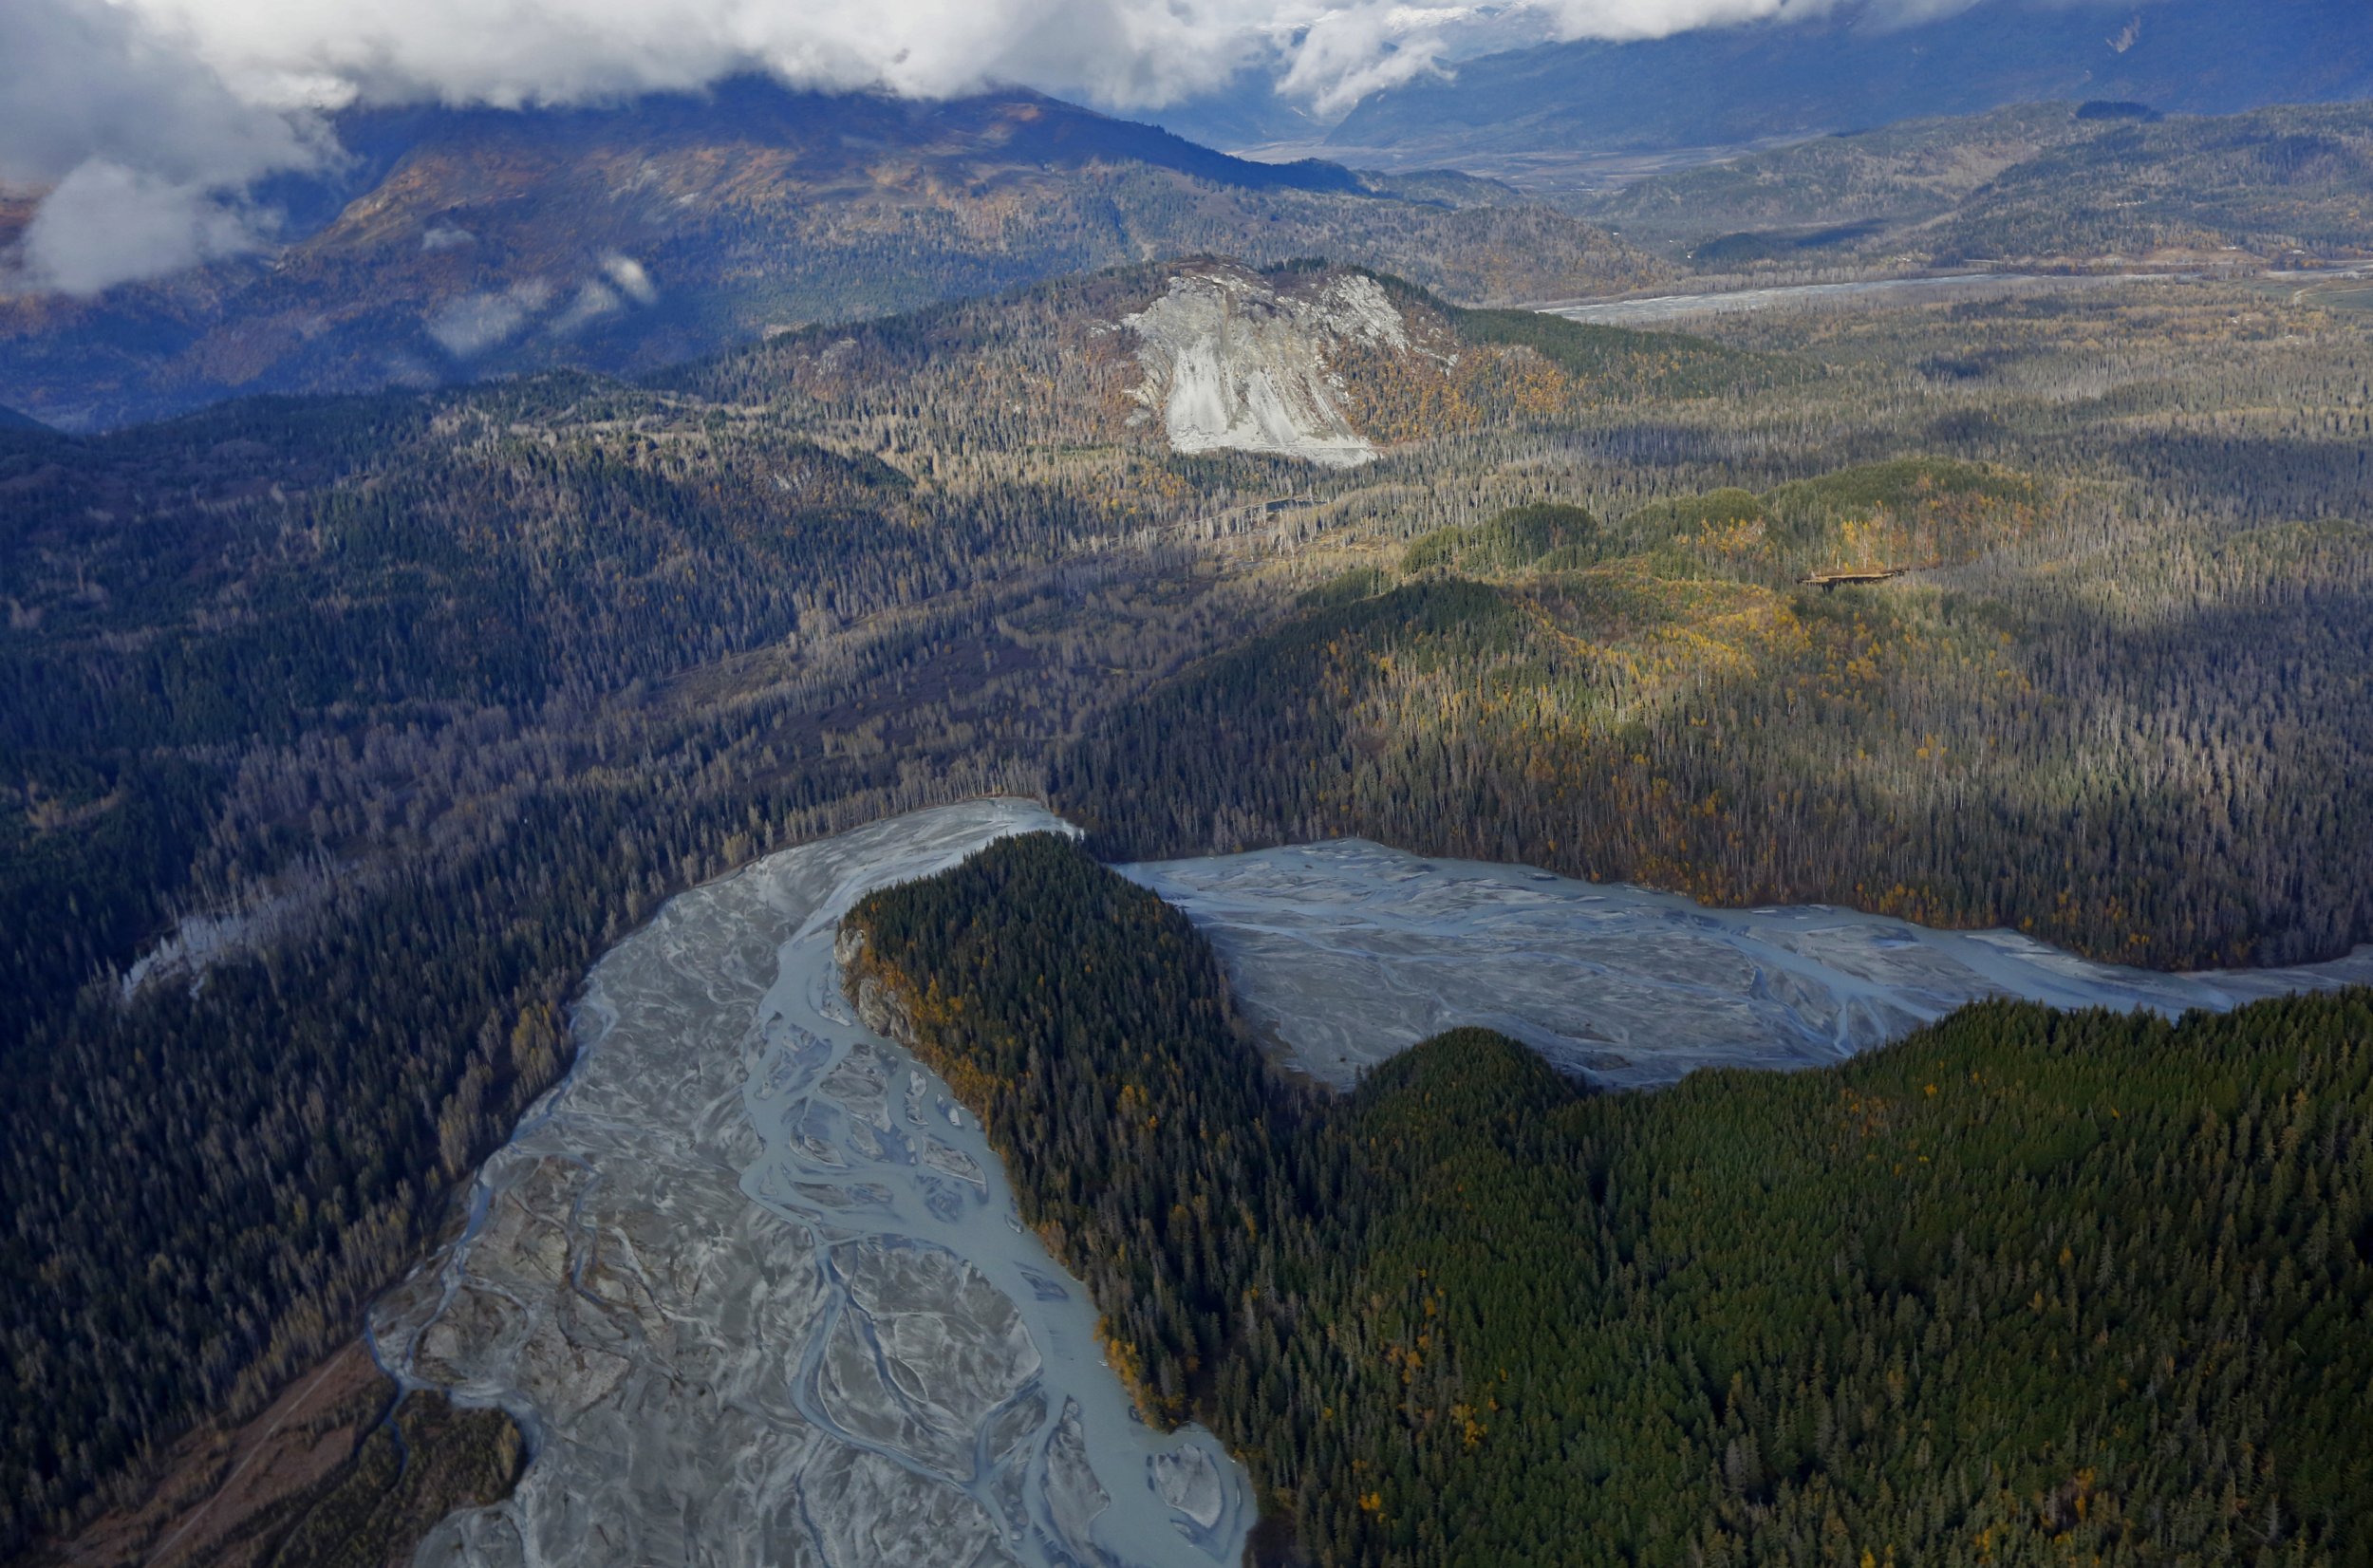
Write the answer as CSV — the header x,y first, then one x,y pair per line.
x,y
2040,181
463,244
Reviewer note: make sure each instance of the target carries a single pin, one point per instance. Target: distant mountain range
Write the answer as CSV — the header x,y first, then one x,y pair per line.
x,y
460,244
1855,67
2048,182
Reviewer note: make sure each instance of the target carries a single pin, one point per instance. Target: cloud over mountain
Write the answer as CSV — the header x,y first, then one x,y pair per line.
x,y
149,120
143,146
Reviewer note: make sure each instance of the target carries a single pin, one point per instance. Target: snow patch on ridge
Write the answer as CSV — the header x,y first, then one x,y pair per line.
x,y
1232,364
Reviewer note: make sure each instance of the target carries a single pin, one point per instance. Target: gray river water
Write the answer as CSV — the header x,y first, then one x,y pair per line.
x,y
1348,952
1951,289
756,1285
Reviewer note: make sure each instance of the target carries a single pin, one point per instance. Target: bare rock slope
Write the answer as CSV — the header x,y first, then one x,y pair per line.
x,y
1235,363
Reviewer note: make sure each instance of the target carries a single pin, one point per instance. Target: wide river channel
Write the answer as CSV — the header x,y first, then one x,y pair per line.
x,y
1955,288
757,1288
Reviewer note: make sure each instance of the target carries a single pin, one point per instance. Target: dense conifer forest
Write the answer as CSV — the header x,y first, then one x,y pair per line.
x,y
343,735
2022,1288
414,732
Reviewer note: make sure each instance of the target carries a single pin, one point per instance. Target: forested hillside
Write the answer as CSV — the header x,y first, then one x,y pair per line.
x,y
381,718
2282,185
1659,700
1833,197
2059,184
2019,1288
2115,699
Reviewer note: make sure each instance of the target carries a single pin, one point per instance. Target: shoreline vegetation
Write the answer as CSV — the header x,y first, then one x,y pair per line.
x,y
2021,1285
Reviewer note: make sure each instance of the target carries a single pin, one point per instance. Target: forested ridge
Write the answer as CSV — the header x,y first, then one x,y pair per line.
x,y
2055,185
1661,700
374,720
2025,1287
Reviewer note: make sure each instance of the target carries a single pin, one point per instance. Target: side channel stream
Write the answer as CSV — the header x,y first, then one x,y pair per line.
x,y
757,1287
1348,952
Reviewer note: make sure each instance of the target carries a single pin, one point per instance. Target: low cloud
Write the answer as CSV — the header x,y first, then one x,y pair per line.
x,y
516,52
148,120
1634,19
1625,20
1346,56
106,224
594,302
144,149
632,281
468,326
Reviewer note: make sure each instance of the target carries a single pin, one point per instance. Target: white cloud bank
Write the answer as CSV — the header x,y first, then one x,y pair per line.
x,y
148,119
144,147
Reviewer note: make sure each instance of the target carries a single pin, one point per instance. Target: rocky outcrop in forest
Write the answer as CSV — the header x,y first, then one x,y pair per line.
x,y
1234,363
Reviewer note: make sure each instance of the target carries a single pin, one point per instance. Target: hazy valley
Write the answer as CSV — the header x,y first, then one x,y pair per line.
x,y
1589,112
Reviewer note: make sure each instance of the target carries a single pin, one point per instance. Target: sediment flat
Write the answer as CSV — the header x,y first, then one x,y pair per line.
x,y
757,1288
1348,952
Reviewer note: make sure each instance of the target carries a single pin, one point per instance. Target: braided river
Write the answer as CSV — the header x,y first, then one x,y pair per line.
x,y
757,1288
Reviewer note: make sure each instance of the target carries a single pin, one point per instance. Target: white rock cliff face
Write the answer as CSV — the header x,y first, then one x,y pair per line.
x,y
1233,365
754,1284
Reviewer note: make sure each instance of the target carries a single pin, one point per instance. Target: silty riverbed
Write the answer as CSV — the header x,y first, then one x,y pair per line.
x,y
1348,952
755,1286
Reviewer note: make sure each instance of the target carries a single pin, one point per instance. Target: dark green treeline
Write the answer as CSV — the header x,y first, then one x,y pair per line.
x,y
2026,1287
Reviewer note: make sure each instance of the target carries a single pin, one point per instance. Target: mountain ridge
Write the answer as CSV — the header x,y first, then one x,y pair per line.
x,y
1850,69
2034,183
483,242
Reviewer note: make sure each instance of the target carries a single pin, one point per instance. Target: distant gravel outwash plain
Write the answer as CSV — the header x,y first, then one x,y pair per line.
x,y
1348,952
1957,289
